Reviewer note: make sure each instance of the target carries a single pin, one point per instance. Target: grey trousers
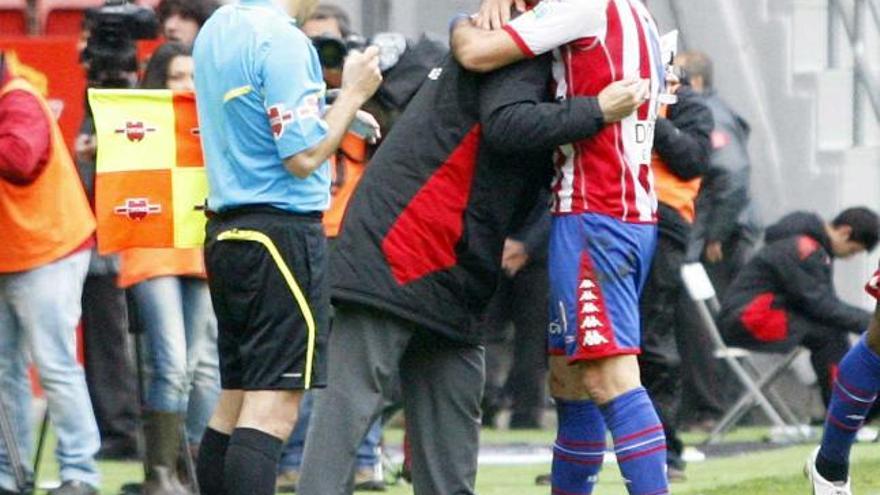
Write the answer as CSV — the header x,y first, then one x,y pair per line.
x,y
442,385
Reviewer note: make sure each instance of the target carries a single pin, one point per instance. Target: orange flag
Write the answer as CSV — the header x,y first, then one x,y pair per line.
x,y
150,186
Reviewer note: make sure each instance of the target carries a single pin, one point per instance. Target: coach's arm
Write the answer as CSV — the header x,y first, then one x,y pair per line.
x,y
516,115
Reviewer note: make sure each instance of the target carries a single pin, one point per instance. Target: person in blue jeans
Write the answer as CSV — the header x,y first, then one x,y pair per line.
x,y
173,307
368,472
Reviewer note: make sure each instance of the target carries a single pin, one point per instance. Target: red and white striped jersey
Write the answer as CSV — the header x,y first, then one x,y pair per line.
x,y
601,41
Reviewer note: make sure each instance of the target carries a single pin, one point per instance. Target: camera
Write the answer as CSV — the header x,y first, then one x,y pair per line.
x,y
111,51
332,50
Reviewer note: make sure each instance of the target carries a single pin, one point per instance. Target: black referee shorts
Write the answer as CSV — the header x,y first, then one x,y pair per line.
x,y
266,271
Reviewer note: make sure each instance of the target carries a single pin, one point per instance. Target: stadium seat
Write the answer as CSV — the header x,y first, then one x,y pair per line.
x,y
755,381
64,17
13,17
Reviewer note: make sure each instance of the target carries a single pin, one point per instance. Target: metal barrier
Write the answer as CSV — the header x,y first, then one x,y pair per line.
x,y
854,17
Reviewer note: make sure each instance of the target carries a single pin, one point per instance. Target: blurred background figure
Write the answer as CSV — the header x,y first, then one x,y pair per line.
x,y
404,66
724,237
47,227
180,20
108,357
173,310
330,30
681,156
785,297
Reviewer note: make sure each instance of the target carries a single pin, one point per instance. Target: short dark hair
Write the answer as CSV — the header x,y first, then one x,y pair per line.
x,y
699,64
156,73
329,11
865,225
197,10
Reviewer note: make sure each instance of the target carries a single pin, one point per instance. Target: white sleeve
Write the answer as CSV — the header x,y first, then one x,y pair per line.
x,y
553,23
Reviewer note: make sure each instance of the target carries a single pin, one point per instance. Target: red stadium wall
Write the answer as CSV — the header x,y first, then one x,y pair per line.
x,y
57,59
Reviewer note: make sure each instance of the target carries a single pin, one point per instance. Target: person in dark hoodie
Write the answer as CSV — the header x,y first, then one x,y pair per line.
x,y
784,297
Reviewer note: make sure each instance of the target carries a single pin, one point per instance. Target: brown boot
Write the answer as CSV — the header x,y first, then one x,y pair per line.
x,y
162,438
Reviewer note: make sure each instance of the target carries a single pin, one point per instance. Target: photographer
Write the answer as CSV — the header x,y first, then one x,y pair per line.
x,y
108,363
174,311
329,28
47,227
682,147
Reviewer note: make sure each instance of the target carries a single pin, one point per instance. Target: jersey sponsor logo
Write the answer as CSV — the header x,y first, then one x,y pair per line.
x,y
135,132
593,338
137,209
279,117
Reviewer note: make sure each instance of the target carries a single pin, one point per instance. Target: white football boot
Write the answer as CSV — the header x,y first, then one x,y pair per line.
x,y
821,486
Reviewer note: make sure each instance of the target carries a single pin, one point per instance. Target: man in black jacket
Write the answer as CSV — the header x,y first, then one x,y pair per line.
x,y
724,237
784,297
682,148
419,257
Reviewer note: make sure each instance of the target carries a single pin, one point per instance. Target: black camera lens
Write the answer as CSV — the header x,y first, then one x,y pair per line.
x,y
331,52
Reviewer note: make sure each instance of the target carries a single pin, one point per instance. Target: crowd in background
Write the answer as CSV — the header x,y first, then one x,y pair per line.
x,y
141,396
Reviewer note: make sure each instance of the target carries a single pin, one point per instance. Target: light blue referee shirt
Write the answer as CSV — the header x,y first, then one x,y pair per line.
x,y
260,95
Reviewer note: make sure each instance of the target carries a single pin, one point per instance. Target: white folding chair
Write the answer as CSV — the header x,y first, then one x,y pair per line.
x,y
757,382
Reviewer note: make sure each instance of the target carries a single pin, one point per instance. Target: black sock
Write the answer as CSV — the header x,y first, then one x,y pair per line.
x,y
252,462
212,462
831,471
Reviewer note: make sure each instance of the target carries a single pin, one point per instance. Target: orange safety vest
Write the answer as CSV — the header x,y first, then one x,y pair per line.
x,y
347,169
139,264
45,220
673,191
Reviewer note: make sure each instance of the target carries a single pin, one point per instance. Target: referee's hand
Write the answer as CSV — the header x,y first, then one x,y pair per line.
x,y
361,75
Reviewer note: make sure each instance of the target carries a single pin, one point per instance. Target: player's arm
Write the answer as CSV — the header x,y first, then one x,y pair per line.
x,y
479,50
516,116
534,33
495,14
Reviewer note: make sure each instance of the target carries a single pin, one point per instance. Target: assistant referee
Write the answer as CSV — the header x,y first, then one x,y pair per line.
x,y
266,139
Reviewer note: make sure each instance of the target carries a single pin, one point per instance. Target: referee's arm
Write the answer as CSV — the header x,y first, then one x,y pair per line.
x,y
361,78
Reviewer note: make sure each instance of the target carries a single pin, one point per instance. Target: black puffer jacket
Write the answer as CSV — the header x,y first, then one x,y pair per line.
x,y
789,279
